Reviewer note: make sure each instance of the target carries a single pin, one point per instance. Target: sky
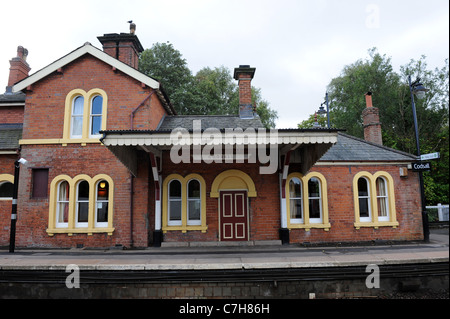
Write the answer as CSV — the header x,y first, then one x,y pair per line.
x,y
296,46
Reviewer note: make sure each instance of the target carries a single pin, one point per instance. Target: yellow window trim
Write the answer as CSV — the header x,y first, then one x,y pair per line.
x,y
233,179
307,225
373,200
184,227
71,229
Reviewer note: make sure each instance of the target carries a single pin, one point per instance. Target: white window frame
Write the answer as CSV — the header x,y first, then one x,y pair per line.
x,y
296,220
91,116
194,222
58,201
77,202
169,200
369,201
386,200
320,219
73,116
100,201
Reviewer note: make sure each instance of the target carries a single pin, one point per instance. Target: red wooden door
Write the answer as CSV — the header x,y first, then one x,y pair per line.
x,y
233,216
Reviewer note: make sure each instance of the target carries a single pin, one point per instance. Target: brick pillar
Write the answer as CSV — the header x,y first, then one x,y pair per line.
x,y
244,74
19,67
371,120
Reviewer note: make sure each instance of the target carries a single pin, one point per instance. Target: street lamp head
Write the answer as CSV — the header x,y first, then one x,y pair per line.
x,y
418,89
321,110
23,161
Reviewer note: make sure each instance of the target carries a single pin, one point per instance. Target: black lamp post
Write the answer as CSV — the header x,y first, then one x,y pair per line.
x,y
322,111
12,234
419,90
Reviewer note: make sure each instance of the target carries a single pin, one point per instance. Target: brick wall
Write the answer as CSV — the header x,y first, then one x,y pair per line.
x,y
11,114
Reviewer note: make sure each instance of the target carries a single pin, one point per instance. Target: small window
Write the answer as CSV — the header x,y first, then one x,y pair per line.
x,y
194,202
175,203
382,199
82,204
314,201
62,205
96,115
295,198
6,190
77,117
364,200
101,204
40,183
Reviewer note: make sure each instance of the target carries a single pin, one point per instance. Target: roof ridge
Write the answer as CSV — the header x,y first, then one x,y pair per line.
x,y
377,145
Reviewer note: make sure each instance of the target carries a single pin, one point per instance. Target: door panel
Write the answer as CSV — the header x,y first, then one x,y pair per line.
x,y
233,215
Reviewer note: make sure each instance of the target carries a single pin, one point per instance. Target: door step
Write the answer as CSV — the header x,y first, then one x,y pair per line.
x,y
223,243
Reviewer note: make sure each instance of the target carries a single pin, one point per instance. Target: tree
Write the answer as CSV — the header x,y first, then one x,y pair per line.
x,y
212,91
391,94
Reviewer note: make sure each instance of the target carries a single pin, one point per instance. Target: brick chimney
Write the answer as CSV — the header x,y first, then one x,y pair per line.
x,y
125,47
371,120
244,75
19,67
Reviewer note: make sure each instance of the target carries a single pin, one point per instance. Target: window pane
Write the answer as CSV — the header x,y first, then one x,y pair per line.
x,y
102,212
96,125
382,197
194,209
77,125
175,210
83,210
97,104
6,190
194,189
63,203
314,208
83,191
363,207
314,187
63,212
102,190
381,187
295,188
78,106
295,207
362,187
175,189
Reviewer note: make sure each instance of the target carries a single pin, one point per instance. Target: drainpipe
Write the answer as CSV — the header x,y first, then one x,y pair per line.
x,y
135,110
131,208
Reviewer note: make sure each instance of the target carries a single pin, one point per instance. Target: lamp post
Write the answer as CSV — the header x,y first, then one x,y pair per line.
x,y
322,111
419,90
12,234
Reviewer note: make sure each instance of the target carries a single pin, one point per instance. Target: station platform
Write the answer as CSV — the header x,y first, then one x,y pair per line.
x,y
256,256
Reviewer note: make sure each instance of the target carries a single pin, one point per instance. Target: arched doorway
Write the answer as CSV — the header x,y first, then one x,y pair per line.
x,y
233,188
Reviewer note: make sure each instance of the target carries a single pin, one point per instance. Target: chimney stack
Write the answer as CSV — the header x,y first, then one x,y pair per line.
x,y
19,67
371,120
125,47
244,74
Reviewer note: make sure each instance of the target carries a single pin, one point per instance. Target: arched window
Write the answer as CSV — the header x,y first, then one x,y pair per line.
x,y
295,200
62,205
382,199
365,214
314,200
6,190
174,203
194,202
77,117
82,204
96,111
101,204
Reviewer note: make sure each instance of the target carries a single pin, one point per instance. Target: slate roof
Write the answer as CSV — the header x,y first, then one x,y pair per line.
x,y
353,149
208,121
10,134
12,98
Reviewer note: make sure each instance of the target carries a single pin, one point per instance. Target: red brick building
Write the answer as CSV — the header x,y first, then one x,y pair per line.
x,y
111,164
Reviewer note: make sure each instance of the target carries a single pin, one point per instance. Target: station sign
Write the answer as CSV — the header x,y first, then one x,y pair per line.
x,y
421,166
425,157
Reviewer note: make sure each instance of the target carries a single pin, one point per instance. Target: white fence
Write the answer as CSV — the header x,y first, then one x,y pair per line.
x,y
442,211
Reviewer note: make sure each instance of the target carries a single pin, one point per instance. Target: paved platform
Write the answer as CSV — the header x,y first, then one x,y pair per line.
x,y
230,257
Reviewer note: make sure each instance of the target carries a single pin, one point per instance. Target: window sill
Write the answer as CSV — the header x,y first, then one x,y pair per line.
x,y
307,227
184,229
375,225
71,231
62,141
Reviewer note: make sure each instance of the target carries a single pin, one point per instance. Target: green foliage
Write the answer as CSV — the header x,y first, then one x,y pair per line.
x,y
209,92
